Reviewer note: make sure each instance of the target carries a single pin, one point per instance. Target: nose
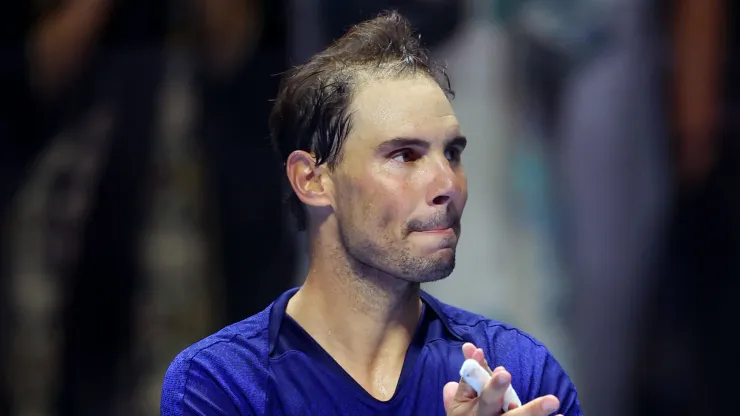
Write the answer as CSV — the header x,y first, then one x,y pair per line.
x,y
447,184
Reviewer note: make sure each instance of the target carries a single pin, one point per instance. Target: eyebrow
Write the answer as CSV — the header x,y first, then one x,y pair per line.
x,y
457,141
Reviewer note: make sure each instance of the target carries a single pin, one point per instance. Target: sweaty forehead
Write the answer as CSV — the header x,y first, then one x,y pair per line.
x,y
414,107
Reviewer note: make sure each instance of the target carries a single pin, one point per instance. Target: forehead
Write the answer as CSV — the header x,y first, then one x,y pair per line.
x,y
414,107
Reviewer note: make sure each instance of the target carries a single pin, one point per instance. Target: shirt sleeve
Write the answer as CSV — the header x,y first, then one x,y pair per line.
x,y
554,380
192,386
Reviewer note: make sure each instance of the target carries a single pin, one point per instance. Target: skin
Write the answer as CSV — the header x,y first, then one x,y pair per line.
x,y
461,400
407,144
382,221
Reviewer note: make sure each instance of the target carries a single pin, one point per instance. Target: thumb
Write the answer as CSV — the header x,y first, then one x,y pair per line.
x,y
456,393
448,394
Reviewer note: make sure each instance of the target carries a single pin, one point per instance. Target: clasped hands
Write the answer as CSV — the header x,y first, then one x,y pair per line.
x,y
460,399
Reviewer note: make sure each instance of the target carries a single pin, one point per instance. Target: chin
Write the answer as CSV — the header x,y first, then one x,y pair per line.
x,y
430,276
430,268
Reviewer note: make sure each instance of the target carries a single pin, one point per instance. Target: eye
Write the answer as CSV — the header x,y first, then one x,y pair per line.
x,y
453,154
405,155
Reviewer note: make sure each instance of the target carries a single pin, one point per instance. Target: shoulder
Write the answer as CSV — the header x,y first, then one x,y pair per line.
x,y
535,371
482,331
222,374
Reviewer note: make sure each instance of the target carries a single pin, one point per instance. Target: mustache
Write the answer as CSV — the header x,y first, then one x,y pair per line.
x,y
439,220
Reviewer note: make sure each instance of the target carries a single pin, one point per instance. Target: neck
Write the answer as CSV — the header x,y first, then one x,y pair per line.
x,y
364,318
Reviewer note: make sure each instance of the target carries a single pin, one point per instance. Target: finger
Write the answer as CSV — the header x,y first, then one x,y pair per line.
x,y
479,356
468,350
541,406
448,394
464,392
471,351
491,398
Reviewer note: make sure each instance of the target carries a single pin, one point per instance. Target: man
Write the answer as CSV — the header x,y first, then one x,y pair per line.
x,y
372,151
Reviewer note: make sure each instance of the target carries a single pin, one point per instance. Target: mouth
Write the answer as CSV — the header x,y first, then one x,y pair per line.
x,y
448,228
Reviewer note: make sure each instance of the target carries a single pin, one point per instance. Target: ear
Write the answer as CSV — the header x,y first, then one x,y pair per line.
x,y
310,183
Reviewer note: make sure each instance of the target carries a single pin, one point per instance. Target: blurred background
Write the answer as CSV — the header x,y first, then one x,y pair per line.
x,y
141,202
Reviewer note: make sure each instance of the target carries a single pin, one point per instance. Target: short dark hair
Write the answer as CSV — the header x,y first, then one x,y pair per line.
x,y
311,111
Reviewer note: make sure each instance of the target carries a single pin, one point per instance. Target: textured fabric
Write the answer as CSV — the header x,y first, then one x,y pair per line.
x,y
266,365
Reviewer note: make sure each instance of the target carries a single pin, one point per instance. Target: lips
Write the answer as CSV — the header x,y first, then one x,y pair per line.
x,y
441,228
437,230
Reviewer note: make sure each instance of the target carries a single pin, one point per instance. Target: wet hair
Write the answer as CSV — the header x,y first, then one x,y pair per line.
x,y
311,111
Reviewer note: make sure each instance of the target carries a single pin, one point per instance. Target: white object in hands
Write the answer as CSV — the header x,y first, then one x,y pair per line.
x,y
476,376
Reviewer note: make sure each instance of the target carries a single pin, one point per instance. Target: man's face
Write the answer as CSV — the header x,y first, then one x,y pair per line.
x,y
399,187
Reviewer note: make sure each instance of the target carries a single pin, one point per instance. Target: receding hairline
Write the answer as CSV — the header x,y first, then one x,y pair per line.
x,y
363,78
360,76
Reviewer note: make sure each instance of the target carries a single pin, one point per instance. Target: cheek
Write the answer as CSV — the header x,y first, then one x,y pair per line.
x,y
463,180
360,202
378,200
403,189
378,206
394,204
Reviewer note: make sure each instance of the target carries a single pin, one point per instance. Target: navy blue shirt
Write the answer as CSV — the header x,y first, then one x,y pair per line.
x,y
268,365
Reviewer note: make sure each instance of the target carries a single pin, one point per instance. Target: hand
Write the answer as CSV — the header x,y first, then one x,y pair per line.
x,y
461,400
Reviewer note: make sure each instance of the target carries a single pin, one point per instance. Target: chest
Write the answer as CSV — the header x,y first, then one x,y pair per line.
x,y
299,385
